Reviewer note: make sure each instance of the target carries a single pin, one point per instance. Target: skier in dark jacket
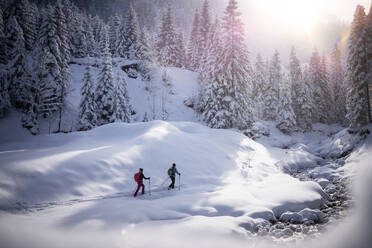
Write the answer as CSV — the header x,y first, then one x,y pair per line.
x,y
172,174
138,177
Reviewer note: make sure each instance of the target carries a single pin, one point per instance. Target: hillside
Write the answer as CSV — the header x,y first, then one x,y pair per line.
x,y
158,99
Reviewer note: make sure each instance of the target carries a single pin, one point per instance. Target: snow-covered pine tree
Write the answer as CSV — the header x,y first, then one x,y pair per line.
x,y
79,42
208,75
128,46
30,114
319,83
3,56
63,80
105,90
259,85
91,44
229,104
104,40
27,18
295,76
301,95
4,94
97,28
337,82
53,56
146,52
122,106
87,108
214,45
180,51
47,53
328,97
115,27
17,68
357,71
193,47
286,116
205,29
166,45
271,92
368,28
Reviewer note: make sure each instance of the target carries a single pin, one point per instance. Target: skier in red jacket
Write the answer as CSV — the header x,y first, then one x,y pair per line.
x,y
138,177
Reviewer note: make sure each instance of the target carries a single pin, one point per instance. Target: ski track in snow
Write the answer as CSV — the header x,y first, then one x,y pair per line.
x,y
24,207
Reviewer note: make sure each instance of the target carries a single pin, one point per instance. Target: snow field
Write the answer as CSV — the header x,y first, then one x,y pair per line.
x,y
229,182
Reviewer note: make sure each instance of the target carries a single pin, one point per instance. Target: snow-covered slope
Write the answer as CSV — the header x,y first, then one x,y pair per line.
x,y
159,100
227,179
103,161
76,189
152,96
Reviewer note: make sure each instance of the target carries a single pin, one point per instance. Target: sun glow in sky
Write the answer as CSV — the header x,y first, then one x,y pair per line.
x,y
301,15
297,14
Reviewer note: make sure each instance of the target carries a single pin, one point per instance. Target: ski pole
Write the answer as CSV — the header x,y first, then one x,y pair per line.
x,y
150,186
179,182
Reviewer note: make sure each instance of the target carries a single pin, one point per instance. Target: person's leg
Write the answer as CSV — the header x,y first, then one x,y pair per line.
x,y
143,188
138,187
173,181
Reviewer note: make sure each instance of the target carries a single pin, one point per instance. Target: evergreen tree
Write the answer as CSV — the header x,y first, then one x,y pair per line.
x,y
319,82
63,60
17,71
4,94
79,42
228,104
368,28
180,52
3,55
259,85
91,45
115,26
166,45
337,83
271,93
104,40
105,91
98,33
87,114
130,36
205,28
208,74
286,115
30,113
122,106
193,48
357,71
53,55
146,52
47,54
301,95
27,18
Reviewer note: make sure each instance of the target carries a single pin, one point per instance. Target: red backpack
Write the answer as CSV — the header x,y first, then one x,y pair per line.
x,y
137,177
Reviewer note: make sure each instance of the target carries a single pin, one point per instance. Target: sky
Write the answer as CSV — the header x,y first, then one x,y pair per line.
x,y
279,24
